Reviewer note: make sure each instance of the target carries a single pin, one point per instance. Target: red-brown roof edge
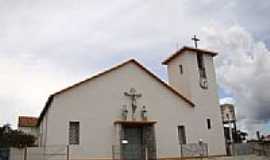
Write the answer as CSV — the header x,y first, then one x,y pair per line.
x,y
165,84
50,99
167,60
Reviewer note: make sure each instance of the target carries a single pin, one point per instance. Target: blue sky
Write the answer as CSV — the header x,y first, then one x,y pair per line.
x,y
48,45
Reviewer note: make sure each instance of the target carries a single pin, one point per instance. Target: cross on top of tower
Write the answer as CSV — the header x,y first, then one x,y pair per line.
x,y
195,39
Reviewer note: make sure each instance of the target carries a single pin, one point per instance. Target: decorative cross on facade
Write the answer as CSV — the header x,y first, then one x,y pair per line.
x,y
196,40
133,96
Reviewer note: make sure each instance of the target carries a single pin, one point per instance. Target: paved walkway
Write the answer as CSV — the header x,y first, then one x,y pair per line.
x,y
249,157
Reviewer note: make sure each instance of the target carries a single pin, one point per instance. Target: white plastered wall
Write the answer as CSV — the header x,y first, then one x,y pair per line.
x,y
206,100
98,103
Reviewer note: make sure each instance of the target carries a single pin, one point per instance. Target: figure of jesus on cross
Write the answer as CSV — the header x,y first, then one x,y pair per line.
x,y
133,96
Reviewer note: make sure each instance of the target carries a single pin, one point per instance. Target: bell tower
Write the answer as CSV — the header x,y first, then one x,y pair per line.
x,y
191,72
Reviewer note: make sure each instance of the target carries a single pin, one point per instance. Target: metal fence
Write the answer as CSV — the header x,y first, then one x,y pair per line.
x,y
194,150
62,152
186,151
261,148
241,149
136,152
258,148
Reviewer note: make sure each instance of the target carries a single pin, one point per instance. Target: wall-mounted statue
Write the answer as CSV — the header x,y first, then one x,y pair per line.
x,y
133,96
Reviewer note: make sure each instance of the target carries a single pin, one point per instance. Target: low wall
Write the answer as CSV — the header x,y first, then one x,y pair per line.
x,y
16,154
39,153
261,148
255,147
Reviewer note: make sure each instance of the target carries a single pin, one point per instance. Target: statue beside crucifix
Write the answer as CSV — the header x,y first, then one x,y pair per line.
x,y
133,96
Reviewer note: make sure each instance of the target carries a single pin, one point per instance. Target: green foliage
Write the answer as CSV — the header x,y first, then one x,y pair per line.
x,y
15,138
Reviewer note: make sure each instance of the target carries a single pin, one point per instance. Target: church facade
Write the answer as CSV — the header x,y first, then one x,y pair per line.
x,y
127,108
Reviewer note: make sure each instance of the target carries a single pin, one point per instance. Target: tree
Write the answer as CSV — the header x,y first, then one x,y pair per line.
x,y
15,138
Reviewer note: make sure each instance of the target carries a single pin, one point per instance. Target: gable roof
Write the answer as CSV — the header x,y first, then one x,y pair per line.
x,y
26,121
50,99
186,48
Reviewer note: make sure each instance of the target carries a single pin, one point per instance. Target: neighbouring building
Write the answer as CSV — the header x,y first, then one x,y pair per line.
x,y
28,125
232,134
229,121
267,138
228,113
129,108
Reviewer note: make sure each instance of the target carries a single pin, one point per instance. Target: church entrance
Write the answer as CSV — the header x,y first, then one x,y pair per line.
x,y
137,140
133,149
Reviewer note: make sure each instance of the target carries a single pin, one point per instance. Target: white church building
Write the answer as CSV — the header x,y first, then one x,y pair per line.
x,y
127,109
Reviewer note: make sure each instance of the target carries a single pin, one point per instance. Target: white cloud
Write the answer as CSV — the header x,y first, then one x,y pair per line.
x,y
25,86
47,45
243,68
227,100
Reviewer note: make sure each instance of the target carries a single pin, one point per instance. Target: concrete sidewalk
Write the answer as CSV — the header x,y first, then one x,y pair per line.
x,y
246,157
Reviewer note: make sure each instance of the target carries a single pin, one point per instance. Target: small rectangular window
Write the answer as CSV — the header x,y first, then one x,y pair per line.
x,y
182,135
181,69
208,123
74,132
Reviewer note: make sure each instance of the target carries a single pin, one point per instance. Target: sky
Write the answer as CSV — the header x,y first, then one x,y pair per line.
x,y
47,45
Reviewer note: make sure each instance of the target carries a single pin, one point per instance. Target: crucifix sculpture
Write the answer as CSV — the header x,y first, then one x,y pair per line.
x,y
133,96
196,40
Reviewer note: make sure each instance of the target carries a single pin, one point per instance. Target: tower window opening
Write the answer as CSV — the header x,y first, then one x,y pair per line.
x,y
181,69
201,65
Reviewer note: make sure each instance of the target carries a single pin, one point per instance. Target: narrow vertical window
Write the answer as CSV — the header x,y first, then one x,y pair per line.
x,y
208,123
181,135
181,69
74,132
202,72
201,65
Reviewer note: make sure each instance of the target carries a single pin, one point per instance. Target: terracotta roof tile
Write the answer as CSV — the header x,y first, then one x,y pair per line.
x,y
25,121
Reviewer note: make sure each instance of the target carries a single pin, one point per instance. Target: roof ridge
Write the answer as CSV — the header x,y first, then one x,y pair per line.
x,y
107,71
96,75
